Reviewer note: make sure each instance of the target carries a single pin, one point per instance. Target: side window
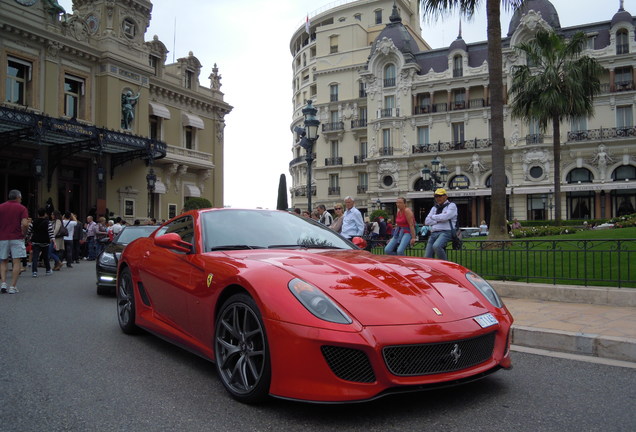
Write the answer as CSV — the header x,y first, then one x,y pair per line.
x,y
183,226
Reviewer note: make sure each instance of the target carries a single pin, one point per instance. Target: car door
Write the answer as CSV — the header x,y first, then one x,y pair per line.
x,y
167,273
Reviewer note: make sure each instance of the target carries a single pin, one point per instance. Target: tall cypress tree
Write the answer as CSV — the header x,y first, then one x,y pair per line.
x,y
282,204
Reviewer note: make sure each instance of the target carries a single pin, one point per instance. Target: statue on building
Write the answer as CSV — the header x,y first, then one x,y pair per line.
x,y
602,158
128,102
476,166
53,8
215,78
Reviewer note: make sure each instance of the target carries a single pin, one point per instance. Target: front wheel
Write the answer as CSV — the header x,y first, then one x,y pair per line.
x,y
126,302
241,350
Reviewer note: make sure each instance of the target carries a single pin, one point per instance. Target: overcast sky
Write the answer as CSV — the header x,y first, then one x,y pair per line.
x,y
249,42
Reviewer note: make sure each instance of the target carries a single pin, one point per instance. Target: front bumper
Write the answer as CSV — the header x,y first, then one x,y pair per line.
x,y
319,365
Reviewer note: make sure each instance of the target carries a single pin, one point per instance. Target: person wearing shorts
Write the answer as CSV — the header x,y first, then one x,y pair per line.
x,y
14,221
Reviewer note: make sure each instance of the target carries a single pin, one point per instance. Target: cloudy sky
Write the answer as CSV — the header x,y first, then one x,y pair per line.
x,y
249,42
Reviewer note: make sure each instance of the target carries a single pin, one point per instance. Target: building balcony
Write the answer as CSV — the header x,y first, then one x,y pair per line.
x,y
302,191
459,105
389,82
300,159
333,161
388,112
620,86
602,134
359,158
333,190
356,124
476,103
386,151
422,109
440,107
438,147
333,127
458,72
362,189
534,139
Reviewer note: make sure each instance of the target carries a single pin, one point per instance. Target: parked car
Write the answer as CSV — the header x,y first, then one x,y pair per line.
x,y
286,307
106,263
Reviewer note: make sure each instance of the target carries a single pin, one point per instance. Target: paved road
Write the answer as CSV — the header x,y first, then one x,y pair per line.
x,y
65,366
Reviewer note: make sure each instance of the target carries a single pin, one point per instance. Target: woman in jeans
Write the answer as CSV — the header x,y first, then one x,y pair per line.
x,y
403,231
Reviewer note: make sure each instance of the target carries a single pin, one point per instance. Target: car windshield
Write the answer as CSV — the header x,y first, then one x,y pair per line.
x,y
129,234
255,229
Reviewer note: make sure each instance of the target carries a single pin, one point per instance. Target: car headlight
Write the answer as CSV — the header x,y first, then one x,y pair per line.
x,y
107,259
317,302
484,287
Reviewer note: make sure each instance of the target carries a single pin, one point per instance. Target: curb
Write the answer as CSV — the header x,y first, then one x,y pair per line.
x,y
615,348
606,296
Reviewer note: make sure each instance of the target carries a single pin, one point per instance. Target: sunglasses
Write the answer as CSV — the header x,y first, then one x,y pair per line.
x,y
337,208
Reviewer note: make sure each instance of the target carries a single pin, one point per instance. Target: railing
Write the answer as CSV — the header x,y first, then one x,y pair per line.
x,y
333,161
624,85
385,151
301,159
458,72
440,107
476,103
359,158
422,109
302,191
453,145
330,127
388,112
577,262
334,190
360,123
333,98
389,82
602,133
534,139
362,189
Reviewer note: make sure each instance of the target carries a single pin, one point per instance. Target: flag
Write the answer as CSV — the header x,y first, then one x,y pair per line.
x,y
307,24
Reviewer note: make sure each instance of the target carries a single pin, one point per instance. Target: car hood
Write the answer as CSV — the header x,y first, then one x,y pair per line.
x,y
384,290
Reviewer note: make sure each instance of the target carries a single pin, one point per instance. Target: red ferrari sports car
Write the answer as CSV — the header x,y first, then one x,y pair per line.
x,y
288,308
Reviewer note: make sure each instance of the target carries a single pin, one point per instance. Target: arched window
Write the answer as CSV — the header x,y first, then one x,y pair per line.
x,y
622,42
389,75
489,181
579,175
458,66
624,173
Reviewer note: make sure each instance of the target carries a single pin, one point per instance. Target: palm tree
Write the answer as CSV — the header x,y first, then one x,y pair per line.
x,y
556,83
498,226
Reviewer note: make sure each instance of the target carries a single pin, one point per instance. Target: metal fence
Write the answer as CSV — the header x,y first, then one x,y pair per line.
x,y
574,262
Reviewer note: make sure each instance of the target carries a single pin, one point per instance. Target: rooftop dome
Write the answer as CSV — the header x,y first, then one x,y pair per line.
x,y
396,31
544,7
621,16
458,43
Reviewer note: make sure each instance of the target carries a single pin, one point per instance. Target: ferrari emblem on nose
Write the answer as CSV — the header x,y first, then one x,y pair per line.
x,y
456,353
210,277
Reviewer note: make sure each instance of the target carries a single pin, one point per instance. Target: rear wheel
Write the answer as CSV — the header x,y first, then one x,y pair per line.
x,y
241,350
126,302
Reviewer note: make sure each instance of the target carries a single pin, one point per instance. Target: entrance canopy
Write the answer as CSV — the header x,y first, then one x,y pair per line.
x,y
68,137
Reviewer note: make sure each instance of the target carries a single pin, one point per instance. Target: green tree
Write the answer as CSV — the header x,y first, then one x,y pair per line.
x,y
559,84
196,203
282,203
435,8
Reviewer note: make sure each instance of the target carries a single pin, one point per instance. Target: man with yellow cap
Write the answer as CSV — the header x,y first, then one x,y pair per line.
x,y
442,220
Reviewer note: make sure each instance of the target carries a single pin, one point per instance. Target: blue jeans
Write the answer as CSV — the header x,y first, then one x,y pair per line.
x,y
92,247
437,244
401,242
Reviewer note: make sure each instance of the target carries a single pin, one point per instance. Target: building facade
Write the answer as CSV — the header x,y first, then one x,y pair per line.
x,y
399,111
94,119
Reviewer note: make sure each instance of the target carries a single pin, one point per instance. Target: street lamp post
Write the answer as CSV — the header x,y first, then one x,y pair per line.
x,y
309,135
435,176
151,180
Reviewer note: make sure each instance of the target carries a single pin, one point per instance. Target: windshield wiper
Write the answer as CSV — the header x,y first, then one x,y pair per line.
x,y
302,246
234,247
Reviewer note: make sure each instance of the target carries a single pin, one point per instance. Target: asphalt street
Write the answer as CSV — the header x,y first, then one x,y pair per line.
x,y
66,366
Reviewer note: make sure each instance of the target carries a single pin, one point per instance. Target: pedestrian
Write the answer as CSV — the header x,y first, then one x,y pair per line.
x,y
56,249
516,224
79,235
101,236
442,219
382,224
14,221
69,224
352,222
40,232
117,226
483,228
325,217
336,225
403,231
91,238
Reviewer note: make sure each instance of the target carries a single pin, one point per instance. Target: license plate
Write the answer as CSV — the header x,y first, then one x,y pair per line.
x,y
486,320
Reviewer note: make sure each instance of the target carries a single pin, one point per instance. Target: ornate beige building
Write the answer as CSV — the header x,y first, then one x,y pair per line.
x,y
92,115
392,109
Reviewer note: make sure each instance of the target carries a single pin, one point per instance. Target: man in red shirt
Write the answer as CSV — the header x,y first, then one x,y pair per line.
x,y
14,221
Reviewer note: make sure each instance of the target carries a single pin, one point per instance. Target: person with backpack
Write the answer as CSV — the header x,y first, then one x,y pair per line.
x,y
69,224
442,220
56,248
41,234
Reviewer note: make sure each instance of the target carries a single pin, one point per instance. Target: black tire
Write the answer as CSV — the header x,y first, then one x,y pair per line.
x,y
126,303
242,351
102,290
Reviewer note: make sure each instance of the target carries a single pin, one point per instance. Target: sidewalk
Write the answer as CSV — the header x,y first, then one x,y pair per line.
x,y
592,321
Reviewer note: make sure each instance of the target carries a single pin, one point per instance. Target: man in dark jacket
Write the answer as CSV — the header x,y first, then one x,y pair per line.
x,y
41,234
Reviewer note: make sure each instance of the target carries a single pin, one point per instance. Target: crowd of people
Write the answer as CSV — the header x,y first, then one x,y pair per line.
x,y
62,238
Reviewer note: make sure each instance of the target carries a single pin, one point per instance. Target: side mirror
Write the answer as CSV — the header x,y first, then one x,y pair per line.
x,y
360,242
173,241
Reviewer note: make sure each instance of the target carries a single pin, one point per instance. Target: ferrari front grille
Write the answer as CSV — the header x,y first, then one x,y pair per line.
x,y
348,364
426,359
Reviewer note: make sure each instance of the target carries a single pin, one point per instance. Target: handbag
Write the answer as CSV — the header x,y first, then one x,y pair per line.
x,y
62,232
457,237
